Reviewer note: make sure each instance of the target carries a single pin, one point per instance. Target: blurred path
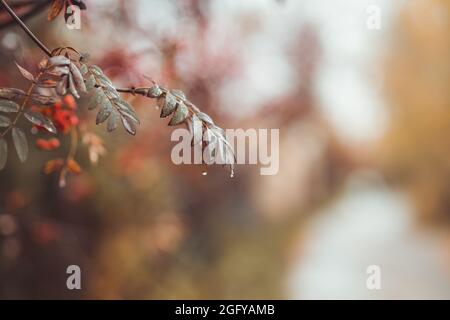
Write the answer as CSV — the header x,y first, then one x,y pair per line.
x,y
369,224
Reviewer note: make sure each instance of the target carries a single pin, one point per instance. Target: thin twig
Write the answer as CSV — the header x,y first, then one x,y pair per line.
x,y
25,28
34,10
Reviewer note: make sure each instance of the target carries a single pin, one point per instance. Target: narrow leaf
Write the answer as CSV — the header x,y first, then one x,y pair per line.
x,y
57,61
129,125
4,122
20,143
112,123
84,69
96,98
197,130
44,100
11,93
90,83
204,117
96,70
77,78
40,120
105,112
8,106
125,108
25,73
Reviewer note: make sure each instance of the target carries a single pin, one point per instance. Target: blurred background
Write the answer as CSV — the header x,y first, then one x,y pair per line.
x,y
364,179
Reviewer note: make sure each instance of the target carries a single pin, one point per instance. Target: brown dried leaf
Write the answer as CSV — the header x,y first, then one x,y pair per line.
x,y
25,73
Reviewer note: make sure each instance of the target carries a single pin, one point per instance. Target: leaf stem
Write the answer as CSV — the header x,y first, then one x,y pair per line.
x,y
70,156
25,28
22,107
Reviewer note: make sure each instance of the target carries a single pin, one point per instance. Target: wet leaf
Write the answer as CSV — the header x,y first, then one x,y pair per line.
x,y
90,83
126,109
61,87
112,121
8,106
77,78
57,72
3,153
105,111
72,88
204,117
179,94
44,100
169,106
84,69
154,92
40,120
129,125
197,130
4,122
58,61
97,98
96,70
180,115
11,93
20,143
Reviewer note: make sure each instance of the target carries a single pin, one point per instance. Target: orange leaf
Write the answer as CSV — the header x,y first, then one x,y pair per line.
x,y
53,165
55,9
73,167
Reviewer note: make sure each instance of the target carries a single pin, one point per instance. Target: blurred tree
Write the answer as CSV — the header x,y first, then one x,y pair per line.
x,y
415,152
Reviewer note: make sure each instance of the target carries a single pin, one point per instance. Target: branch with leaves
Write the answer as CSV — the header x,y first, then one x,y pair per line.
x,y
65,74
